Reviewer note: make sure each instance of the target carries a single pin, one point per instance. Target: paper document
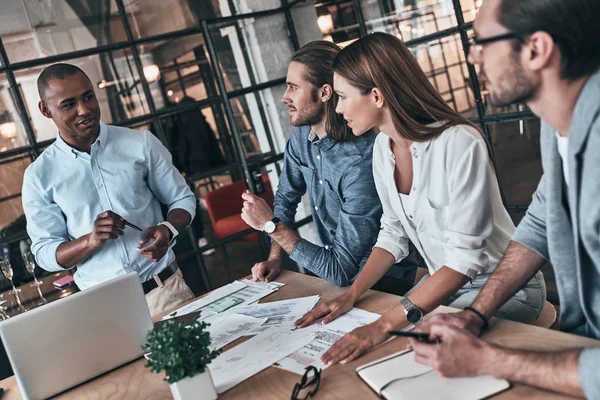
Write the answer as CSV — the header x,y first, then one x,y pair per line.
x,y
208,299
225,329
242,298
270,285
249,358
280,314
325,337
228,297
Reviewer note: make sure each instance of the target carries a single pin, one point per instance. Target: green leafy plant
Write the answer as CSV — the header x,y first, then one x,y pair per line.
x,y
178,350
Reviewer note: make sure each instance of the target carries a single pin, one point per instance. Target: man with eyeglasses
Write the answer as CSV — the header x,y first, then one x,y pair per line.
x,y
545,54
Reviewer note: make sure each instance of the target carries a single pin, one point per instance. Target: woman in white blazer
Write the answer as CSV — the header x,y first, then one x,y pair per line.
x,y
438,186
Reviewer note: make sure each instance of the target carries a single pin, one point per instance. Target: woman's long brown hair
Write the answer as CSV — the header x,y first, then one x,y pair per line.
x,y
382,61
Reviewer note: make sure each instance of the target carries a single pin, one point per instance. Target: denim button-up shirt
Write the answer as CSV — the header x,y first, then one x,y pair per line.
x,y
346,211
127,171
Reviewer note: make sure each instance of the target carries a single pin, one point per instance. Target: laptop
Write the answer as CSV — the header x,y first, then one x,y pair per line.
x,y
72,340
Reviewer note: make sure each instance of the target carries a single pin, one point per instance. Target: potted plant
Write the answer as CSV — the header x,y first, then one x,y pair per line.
x,y
182,353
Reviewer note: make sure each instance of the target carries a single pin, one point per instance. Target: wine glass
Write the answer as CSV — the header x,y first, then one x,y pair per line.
x,y
3,314
8,273
30,266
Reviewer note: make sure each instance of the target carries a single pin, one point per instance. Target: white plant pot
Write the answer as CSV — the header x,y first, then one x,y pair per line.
x,y
198,387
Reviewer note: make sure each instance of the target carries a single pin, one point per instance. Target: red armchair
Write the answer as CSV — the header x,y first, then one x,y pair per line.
x,y
224,207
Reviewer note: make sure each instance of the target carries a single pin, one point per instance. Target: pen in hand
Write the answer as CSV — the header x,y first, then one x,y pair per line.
x,y
421,337
131,225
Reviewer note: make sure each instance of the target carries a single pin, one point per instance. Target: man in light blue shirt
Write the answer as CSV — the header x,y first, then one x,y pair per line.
x,y
82,189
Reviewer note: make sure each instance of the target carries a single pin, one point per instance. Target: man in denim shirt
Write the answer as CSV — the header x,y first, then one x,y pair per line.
x,y
78,194
323,158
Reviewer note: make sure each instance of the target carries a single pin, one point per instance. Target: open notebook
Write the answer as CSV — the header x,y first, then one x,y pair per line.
x,y
400,377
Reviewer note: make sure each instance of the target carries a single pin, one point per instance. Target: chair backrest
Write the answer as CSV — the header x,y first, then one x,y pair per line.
x,y
227,200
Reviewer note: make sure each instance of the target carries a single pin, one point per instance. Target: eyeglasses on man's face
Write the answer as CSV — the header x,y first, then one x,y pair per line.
x,y
476,44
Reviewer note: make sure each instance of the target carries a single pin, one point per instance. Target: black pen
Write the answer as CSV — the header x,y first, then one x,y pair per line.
x,y
132,225
421,337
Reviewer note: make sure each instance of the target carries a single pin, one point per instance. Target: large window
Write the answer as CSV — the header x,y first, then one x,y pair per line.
x,y
221,64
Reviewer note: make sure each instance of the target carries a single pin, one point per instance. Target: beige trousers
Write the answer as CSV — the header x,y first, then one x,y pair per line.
x,y
173,293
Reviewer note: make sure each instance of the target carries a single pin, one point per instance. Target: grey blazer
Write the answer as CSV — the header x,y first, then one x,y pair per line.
x,y
563,225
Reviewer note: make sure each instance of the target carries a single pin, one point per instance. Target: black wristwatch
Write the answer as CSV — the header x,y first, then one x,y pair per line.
x,y
414,314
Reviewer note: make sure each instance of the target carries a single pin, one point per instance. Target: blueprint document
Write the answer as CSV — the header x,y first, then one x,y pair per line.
x,y
249,358
280,314
325,337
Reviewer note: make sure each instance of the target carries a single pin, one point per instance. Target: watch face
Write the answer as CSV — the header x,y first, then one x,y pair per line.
x,y
270,227
414,315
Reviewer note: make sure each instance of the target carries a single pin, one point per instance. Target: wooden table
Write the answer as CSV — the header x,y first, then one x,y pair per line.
x,y
133,381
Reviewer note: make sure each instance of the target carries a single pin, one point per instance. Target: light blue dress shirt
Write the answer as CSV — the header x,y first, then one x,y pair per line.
x,y
128,172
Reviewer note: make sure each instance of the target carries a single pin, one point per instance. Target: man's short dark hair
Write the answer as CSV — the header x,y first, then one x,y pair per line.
x,y
573,25
56,71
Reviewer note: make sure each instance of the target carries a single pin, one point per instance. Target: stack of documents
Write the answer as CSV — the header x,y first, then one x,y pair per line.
x,y
279,314
325,337
249,358
226,329
238,293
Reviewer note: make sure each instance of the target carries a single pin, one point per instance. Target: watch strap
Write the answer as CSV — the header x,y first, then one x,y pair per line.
x,y
275,221
171,228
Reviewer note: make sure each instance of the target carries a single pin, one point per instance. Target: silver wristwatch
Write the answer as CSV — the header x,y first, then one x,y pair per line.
x,y
414,314
271,225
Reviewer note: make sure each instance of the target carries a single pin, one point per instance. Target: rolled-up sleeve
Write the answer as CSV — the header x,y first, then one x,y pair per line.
x,y
469,212
531,231
589,372
358,223
165,181
46,224
291,186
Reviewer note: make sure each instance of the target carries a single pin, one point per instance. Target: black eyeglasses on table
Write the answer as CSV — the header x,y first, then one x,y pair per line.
x,y
311,379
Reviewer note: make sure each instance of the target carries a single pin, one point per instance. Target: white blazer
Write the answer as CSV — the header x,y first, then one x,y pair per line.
x,y
458,219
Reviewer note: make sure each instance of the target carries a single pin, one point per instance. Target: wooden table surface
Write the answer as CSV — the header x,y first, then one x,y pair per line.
x,y
133,381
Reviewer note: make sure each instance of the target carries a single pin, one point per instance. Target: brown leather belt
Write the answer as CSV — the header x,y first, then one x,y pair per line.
x,y
165,274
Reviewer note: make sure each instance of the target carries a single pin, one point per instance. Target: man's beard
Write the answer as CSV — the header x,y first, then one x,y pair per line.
x,y
309,115
515,88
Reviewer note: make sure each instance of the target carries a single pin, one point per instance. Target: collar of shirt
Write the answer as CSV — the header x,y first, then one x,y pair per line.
x,y
416,148
326,142
100,141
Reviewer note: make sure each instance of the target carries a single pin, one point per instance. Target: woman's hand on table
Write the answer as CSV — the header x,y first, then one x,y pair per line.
x,y
328,311
354,344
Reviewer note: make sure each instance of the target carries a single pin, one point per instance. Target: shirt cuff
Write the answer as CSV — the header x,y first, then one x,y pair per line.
x,y
394,247
304,252
469,262
589,374
528,238
188,204
46,257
